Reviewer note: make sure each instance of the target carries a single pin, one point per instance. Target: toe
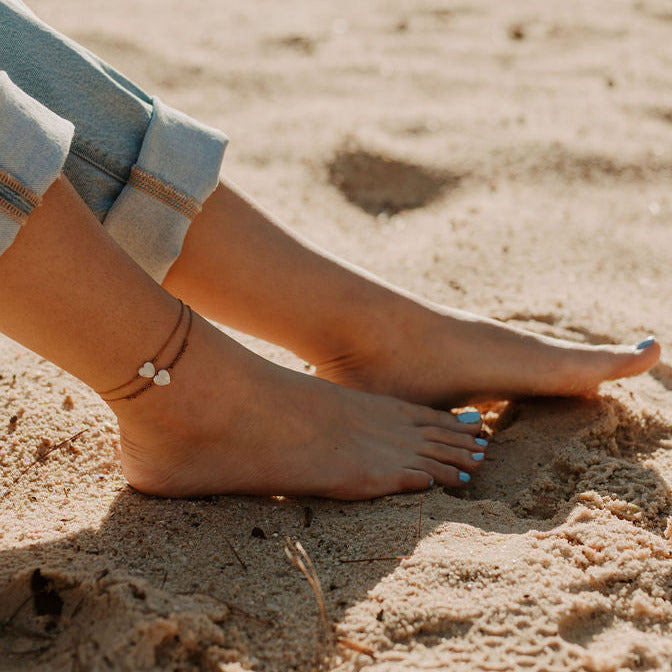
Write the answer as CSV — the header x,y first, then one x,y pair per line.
x,y
469,422
639,359
412,480
465,460
445,474
450,437
590,367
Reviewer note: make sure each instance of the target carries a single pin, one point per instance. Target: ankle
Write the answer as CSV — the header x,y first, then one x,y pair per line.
x,y
372,338
175,410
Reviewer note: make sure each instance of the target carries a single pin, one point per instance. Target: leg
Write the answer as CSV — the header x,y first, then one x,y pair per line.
x,y
243,269
229,421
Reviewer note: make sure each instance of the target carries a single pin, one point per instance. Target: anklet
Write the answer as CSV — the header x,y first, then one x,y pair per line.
x,y
144,370
160,377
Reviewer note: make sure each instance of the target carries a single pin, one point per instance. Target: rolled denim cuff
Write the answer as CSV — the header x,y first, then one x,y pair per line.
x,y
176,170
34,143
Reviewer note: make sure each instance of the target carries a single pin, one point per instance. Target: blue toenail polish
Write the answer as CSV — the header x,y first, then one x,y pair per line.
x,y
481,442
431,482
478,456
465,478
469,417
646,343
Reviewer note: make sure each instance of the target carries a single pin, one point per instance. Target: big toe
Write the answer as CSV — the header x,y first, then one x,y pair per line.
x,y
581,369
639,359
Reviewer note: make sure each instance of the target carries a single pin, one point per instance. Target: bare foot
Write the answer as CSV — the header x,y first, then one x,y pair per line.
x,y
445,358
363,333
230,422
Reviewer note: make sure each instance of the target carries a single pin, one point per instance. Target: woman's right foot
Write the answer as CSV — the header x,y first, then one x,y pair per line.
x,y
364,334
231,422
447,358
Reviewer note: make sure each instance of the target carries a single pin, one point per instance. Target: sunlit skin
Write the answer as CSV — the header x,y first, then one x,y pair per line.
x,y
231,422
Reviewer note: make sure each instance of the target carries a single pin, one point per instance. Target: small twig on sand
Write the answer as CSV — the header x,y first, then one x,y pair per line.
x,y
299,558
420,519
235,552
389,557
41,458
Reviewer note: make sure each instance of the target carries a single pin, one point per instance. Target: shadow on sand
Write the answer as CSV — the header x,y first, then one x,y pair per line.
x,y
193,584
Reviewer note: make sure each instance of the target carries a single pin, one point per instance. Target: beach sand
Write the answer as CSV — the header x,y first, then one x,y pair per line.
x,y
509,158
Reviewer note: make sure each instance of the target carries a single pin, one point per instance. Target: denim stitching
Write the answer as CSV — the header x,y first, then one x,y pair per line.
x,y
81,152
21,189
13,212
164,192
16,200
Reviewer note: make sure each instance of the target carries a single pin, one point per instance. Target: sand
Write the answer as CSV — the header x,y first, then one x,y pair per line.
x,y
511,158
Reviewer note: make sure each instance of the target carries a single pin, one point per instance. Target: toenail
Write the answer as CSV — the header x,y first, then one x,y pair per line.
x,y
464,477
469,417
645,343
481,442
431,482
478,456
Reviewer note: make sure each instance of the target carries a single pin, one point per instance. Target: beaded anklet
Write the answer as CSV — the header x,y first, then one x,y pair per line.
x,y
148,370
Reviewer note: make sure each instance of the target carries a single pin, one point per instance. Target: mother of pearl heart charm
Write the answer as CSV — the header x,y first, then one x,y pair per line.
x,y
148,370
162,378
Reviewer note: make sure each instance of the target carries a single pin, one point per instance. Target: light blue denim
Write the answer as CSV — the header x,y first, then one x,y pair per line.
x,y
143,168
34,144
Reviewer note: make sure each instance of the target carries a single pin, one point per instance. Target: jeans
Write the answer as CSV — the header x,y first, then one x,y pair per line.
x,y
143,168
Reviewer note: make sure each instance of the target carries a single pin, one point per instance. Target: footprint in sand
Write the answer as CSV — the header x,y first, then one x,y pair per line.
x,y
380,184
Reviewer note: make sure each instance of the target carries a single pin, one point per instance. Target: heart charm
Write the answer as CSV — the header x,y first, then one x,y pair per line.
x,y
147,370
162,377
